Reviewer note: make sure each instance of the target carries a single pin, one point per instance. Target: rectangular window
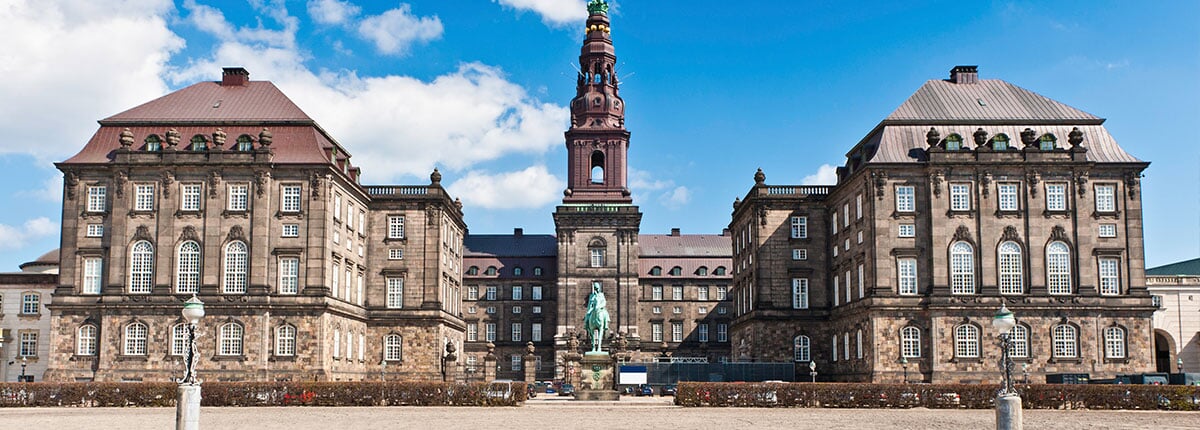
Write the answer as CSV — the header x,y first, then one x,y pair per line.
x,y
291,230
30,303
907,230
702,332
722,332
536,293
677,292
799,254
337,207
291,198
395,227
537,309
1105,198
799,227
29,345
395,293
516,362
597,257
472,292
96,199
677,310
189,197
858,200
656,292
834,223
95,230
516,332
656,332
799,293
91,275
906,269
517,293
362,222
1007,195
702,292
846,214
722,292
656,310
395,254
835,348
836,289
861,283
472,332
535,332
847,286
491,292
1108,230
904,198
676,332
1056,197
238,197
860,237
289,275
337,236
1110,280
702,310
516,309
490,332
143,197
960,197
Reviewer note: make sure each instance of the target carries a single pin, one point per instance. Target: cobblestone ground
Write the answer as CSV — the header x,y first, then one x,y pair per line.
x,y
569,415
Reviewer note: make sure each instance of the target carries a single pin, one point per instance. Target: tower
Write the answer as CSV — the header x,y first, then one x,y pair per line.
x,y
597,224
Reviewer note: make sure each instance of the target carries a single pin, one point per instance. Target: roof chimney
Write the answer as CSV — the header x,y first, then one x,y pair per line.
x,y
725,231
518,232
234,76
675,232
964,74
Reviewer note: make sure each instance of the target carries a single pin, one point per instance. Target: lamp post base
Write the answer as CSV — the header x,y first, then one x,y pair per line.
x,y
1008,412
187,407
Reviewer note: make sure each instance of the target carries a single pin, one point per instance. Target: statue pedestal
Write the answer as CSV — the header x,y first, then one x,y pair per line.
x,y
596,378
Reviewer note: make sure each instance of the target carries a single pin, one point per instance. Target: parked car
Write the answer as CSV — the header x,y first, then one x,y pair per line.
x,y
644,390
668,390
567,390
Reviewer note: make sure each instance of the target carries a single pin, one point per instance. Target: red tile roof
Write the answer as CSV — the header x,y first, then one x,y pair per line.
x,y
686,245
210,102
291,144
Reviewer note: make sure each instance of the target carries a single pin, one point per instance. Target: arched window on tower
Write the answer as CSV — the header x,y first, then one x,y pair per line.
x,y
597,167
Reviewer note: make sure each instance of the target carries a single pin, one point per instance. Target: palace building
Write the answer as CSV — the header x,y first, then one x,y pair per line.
x,y
973,193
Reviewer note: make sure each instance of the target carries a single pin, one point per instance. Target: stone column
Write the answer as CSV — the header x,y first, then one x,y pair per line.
x,y
1008,412
187,407
489,363
530,363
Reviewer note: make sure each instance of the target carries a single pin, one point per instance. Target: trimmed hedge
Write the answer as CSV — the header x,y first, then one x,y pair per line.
x,y
159,394
971,396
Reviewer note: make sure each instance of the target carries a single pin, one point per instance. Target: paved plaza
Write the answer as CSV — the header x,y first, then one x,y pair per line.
x,y
561,414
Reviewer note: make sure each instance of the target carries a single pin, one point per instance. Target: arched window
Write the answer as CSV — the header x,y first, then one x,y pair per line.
x,y
720,271
655,271
910,342
244,143
235,268
187,268
517,271
1047,142
1066,341
393,347
153,143
1114,342
800,348
230,340
954,142
1018,342
1000,142
199,143
473,271
537,271
676,271
135,339
179,339
85,340
702,271
962,268
285,340
966,341
1009,264
141,267
1058,268
491,271
597,167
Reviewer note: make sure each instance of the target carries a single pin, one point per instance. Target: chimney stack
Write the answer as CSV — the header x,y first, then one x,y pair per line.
x,y
234,76
675,232
964,74
518,232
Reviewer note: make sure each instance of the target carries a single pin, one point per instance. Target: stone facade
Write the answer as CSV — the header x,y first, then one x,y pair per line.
x,y
25,330
1176,292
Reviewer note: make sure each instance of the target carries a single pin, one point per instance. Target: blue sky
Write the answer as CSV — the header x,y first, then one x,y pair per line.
x,y
478,88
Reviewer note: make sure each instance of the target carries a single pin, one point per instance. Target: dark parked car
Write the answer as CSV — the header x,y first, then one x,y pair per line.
x,y
667,390
644,390
567,390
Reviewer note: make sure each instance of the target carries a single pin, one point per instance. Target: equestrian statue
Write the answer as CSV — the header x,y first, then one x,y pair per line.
x,y
595,321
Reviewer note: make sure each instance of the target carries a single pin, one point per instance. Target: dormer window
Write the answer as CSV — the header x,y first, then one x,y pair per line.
x,y
153,143
473,271
491,271
245,143
702,271
1000,142
720,271
656,271
199,143
676,271
1047,142
953,142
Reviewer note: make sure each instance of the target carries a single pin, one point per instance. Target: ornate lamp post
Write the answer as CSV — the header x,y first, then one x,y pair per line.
x,y
24,362
904,364
1178,363
812,370
187,406
1008,402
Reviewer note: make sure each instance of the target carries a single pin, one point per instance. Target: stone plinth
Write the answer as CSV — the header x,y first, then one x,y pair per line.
x,y
596,378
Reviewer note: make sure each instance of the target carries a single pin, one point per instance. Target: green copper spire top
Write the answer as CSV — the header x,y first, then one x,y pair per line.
x,y
598,6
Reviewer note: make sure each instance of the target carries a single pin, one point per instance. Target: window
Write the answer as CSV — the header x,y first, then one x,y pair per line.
x,y
1157,301
966,341
1000,142
337,343
517,293
291,198
516,309
153,143
1056,197
702,310
702,332
910,342
244,143
861,284
189,198
96,199
677,310
289,275
515,362
29,303
362,225
656,310
1058,268
597,257
285,340
702,271
656,292
395,227
1114,343
860,237
535,332
489,332
1110,282
239,197
834,349
29,345
491,271
677,292
537,309
337,236
906,269
954,142
799,293
1105,198
722,332
1018,342
143,199
858,344
85,340
230,339
847,278
960,197
702,292
199,143
676,332
141,267
336,278
395,293
799,254
91,275
834,222
517,271
1007,196
95,230
846,214
187,268
1046,142
491,292
235,267
722,292
799,227
537,271
858,202
1066,343
536,293
337,207
393,348
472,292
904,198
1009,262
720,271
135,339
656,332
179,339
1108,230
516,332
472,332
907,230
836,290
291,230
800,348
962,268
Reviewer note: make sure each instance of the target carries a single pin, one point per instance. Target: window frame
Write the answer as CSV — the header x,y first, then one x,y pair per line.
x,y
86,344
141,268
1065,341
962,268
134,339
801,349
395,227
906,198
910,342
1010,270
960,196
800,293
290,198
188,263
966,341
190,199
1008,196
906,283
799,227
238,199
231,340
235,267
1058,269
394,293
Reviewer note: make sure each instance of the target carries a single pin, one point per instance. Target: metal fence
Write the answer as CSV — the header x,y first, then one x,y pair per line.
x,y
670,373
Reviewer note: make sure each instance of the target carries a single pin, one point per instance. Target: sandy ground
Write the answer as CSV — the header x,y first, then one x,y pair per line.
x,y
561,414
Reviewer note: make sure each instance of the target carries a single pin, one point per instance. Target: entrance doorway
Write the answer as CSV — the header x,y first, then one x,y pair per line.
x,y
1162,352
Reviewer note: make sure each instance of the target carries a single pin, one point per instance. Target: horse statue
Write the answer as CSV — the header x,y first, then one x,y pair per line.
x,y
595,321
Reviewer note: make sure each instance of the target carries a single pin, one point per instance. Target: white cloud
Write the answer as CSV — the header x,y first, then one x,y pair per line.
x,y
69,63
826,175
553,12
212,21
394,31
51,190
332,12
17,237
676,198
641,180
533,187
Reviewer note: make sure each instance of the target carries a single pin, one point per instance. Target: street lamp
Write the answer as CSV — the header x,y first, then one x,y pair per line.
x,y
812,370
904,364
187,407
1025,371
1008,402
1178,363
24,362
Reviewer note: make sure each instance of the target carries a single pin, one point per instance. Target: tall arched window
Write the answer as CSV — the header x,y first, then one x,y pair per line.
x,y
1009,264
235,267
393,348
597,167
1058,268
187,268
85,340
141,267
1018,342
135,339
800,348
966,341
910,342
1066,341
1114,342
179,339
285,340
230,340
962,268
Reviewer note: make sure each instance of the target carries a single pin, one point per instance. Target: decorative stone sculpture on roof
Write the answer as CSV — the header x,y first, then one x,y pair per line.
x,y
760,177
1029,138
435,178
172,138
933,137
265,137
126,138
980,138
1075,137
218,138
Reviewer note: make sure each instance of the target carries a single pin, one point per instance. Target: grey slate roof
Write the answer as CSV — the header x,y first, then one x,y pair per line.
x,y
508,245
988,99
1187,267
896,143
686,245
